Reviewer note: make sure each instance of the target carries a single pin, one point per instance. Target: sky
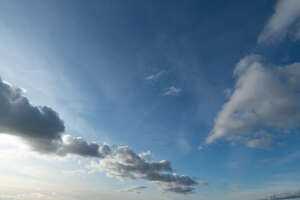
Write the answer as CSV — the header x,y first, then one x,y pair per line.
x,y
166,100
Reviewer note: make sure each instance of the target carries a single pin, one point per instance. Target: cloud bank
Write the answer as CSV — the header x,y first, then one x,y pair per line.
x,y
263,98
285,21
44,131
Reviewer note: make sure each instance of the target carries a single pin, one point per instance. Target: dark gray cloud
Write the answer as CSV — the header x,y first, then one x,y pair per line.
x,y
283,196
40,126
44,131
124,163
20,118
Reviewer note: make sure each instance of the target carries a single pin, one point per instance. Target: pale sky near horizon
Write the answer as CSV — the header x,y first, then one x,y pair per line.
x,y
166,100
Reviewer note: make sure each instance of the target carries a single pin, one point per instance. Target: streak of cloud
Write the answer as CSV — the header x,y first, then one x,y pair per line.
x,y
172,91
283,196
155,76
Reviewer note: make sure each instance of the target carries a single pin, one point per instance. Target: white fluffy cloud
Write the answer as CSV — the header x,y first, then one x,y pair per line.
x,y
264,98
284,21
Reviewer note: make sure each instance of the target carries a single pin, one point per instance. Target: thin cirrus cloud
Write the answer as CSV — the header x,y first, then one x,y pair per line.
x,y
285,21
172,91
136,189
263,98
43,130
283,196
155,76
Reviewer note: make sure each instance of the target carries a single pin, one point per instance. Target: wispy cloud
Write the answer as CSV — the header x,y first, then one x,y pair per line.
x,y
283,196
136,189
155,76
172,91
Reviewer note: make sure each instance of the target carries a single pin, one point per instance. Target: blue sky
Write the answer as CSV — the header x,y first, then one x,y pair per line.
x,y
210,86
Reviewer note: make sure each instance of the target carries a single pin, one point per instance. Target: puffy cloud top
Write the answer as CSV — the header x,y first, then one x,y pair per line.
x,y
284,21
263,97
124,163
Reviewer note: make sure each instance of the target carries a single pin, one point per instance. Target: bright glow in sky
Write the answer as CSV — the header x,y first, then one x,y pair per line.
x,y
145,100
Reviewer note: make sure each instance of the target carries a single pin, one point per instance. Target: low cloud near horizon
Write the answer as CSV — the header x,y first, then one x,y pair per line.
x,y
283,196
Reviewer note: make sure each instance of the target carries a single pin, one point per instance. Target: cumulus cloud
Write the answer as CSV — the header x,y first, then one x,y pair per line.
x,y
155,76
172,91
264,98
284,21
79,146
136,189
283,196
44,131
124,163
40,126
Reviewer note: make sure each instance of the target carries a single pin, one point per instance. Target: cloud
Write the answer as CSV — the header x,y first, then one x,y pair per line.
x,y
136,189
79,146
35,124
124,163
43,130
155,76
284,21
263,98
263,143
40,126
172,91
283,196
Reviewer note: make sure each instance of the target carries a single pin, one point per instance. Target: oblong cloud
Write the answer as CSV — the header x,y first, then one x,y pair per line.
x,y
172,91
155,76
136,189
124,163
